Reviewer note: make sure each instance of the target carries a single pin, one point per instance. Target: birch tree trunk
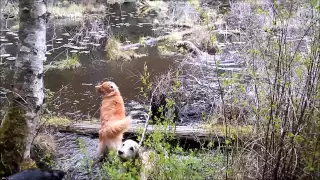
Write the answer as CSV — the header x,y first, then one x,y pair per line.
x,y
26,104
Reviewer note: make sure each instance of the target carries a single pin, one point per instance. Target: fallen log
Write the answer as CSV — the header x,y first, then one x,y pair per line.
x,y
187,134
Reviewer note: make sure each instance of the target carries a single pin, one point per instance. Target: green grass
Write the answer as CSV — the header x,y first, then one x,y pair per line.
x,y
113,48
71,62
56,120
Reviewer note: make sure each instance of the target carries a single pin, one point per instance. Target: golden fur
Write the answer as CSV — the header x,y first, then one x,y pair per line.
x,y
112,118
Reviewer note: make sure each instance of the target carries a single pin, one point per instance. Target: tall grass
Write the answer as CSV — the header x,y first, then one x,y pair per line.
x,y
71,62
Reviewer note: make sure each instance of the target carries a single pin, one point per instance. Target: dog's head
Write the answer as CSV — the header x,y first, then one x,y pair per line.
x,y
107,87
128,150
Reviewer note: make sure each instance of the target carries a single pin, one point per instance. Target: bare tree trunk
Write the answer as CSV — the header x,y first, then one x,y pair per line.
x,y
23,114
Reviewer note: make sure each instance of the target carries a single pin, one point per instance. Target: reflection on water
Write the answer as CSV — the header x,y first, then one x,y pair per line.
x,y
79,97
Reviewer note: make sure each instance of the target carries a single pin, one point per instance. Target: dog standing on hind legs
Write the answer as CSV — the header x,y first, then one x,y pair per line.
x,y
113,120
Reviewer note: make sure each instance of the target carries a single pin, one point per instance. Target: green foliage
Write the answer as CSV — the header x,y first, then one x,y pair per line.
x,y
165,166
86,163
117,169
142,41
213,38
260,10
49,96
146,82
71,62
288,121
311,144
194,166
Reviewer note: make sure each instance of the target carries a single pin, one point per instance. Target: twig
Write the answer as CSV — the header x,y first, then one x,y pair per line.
x,y
148,117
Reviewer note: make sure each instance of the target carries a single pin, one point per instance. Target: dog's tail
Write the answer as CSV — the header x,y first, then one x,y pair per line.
x,y
118,127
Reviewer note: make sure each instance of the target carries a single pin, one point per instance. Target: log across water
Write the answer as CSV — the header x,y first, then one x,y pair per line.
x,y
193,137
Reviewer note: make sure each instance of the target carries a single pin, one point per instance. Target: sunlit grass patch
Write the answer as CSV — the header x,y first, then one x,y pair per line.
x,y
55,120
71,62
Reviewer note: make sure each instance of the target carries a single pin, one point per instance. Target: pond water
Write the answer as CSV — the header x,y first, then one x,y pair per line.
x,y
75,88
79,95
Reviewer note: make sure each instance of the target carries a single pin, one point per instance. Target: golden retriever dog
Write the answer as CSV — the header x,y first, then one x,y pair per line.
x,y
112,118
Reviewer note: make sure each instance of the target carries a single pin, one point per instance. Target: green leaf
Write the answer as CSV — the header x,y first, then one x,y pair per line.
x,y
299,139
290,134
227,141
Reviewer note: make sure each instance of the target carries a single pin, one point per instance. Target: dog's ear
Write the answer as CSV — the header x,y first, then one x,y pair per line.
x,y
99,89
